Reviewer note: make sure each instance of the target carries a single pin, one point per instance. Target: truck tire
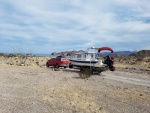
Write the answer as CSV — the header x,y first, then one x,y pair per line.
x,y
57,66
47,65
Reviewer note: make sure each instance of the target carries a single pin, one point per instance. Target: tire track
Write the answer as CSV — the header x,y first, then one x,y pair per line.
x,y
134,81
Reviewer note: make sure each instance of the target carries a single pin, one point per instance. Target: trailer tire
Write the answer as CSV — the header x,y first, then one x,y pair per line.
x,y
70,66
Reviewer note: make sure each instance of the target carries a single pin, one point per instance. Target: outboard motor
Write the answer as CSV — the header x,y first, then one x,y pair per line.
x,y
109,61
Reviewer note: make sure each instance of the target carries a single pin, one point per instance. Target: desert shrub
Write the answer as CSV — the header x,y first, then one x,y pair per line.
x,y
37,63
132,63
85,73
37,60
139,59
15,58
22,59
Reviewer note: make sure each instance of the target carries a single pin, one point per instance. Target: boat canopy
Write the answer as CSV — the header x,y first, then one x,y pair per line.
x,y
105,48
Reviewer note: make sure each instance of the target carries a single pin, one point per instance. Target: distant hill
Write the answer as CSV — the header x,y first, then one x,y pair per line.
x,y
142,53
66,53
120,52
125,52
70,53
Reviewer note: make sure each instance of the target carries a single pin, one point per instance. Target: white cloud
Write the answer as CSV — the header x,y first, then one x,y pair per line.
x,y
75,24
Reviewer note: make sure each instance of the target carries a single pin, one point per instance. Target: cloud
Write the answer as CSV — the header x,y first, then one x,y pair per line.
x,y
70,25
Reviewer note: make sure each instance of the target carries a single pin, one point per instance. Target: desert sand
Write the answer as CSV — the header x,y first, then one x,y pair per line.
x,y
34,88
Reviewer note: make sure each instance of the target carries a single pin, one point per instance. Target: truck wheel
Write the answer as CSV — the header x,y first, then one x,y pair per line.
x,y
57,66
47,65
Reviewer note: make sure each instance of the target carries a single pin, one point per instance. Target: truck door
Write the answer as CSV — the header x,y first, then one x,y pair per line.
x,y
52,62
58,61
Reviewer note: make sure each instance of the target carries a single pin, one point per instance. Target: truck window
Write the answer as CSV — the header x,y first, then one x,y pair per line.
x,y
52,59
58,59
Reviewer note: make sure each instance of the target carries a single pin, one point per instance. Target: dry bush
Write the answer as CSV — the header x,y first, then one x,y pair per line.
x,y
121,58
85,73
22,59
37,60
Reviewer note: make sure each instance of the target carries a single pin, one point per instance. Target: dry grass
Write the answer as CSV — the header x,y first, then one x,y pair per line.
x,y
74,97
127,95
24,61
34,89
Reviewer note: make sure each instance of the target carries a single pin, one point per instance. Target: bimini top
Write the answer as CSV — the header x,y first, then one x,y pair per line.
x,y
105,48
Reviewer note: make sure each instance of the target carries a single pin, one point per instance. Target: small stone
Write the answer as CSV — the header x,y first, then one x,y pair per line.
x,y
141,94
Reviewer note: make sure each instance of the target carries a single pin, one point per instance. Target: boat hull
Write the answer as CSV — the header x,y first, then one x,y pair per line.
x,y
87,63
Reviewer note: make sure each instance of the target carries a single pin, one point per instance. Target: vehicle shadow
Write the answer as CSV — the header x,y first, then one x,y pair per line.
x,y
71,70
82,75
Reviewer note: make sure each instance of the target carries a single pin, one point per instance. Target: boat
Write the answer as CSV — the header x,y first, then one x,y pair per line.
x,y
92,60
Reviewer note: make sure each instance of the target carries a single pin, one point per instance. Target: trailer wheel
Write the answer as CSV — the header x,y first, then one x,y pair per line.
x,y
81,69
70,66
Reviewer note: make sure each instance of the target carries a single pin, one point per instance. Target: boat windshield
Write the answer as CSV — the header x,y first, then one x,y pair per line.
x,y
77,56
86,55
90,55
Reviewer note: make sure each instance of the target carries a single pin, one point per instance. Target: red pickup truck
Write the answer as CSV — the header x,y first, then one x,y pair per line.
x,y
57,62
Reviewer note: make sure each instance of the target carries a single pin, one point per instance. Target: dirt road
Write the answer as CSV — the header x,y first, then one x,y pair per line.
x,y
31,89
127,80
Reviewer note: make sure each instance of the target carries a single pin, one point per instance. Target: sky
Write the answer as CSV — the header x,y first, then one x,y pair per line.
x,y
46,26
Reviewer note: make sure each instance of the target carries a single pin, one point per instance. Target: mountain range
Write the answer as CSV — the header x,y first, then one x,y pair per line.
x,y
128,53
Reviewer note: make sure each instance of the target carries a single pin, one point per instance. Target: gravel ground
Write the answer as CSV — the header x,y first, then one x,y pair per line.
x,y
33,89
